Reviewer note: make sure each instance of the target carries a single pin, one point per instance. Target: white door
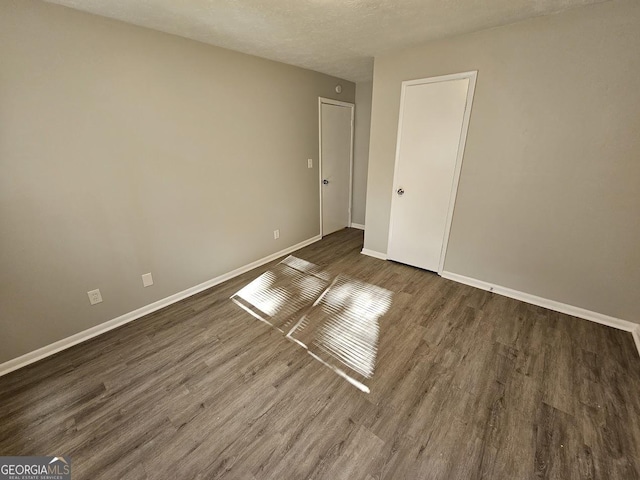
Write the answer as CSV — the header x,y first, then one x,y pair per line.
x,y
430,130
335,165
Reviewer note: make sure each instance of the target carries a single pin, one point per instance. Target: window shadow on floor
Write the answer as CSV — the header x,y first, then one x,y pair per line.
x,y
336,319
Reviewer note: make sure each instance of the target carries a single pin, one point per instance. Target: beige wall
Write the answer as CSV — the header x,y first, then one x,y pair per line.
x,y
361,150
125,151
549,195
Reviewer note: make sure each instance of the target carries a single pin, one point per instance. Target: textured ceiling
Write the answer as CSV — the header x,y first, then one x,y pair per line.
x,y
337,37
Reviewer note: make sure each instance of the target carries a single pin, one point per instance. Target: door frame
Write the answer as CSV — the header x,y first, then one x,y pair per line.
x,y
472,76
338,103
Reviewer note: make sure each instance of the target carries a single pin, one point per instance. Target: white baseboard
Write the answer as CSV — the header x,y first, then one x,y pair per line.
x,y
614,322
636,337
359,226
374,254
85,335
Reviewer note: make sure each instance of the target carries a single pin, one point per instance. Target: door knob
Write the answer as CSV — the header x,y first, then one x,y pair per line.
x,y
400,191
325,181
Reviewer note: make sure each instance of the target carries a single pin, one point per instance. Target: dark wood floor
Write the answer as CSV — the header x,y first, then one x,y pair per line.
x,y
468,385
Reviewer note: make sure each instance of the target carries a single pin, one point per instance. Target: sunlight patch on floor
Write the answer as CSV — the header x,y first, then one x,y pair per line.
x,y
337,322
280,295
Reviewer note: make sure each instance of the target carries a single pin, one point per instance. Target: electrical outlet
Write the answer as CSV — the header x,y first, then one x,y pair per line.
x,y
276,234
147,280
95,296
309,162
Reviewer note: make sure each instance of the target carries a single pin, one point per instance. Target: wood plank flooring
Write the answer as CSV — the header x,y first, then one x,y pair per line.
x,y
468,385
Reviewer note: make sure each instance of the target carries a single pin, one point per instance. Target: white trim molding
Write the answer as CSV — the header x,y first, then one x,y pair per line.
x,y
472,76
574,311
92,332
636,337
374,254
359,226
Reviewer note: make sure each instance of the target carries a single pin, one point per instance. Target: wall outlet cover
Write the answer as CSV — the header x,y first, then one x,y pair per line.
x,y
95,296
147,280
